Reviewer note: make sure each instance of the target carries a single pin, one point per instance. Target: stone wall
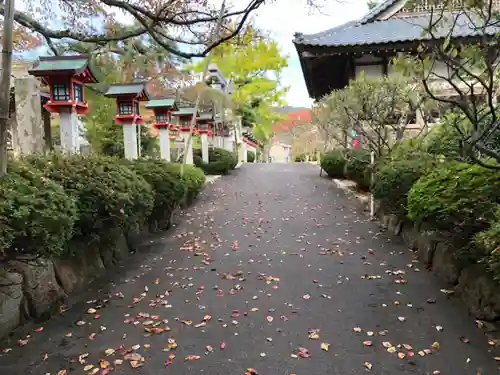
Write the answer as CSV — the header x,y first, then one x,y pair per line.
x,y
437,251
34,289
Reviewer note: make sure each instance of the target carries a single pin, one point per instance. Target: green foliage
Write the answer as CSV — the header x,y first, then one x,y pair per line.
x,y
394,179
333,163
458,196
488,242
446,138
167,187
221,161
108,194
191,177
36,215
254,65
300,158
357,167
411,148
250,156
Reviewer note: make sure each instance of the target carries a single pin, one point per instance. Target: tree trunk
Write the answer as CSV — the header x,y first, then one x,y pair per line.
x,y
5,82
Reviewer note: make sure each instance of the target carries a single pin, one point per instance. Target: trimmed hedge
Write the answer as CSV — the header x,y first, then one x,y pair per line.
x,y
333,163
36,215
51,200
300,158
250,156
357,167
221,161
168,190
108,194
456,196
394,179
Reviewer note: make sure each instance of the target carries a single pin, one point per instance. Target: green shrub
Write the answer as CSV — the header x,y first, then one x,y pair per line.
x,y
456,196
167,187
488,243
333,163
191,177
108,194
357,167
221,161
411,148
300,158
444,138
394,179
250,156
36,215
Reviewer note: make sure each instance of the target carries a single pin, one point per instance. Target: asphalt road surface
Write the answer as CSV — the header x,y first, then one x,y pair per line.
x,y
273,271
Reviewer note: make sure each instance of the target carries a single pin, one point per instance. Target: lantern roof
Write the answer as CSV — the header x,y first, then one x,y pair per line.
x,y
205,116
185,111
136,90
161,103
73,64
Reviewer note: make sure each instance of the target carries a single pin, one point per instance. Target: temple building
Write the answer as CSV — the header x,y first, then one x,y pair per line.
x,y
329,59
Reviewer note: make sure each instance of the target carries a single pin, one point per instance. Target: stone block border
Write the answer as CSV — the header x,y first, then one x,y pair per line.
x,y
475,286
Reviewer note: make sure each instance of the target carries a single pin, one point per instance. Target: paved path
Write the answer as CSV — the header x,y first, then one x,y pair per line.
x,y
269,259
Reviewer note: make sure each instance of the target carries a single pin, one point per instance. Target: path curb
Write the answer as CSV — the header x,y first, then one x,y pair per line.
x,y
209,180
349,187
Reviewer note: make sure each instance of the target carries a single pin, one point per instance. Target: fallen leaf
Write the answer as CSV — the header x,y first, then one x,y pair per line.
x,y
133,357
313,335
81,358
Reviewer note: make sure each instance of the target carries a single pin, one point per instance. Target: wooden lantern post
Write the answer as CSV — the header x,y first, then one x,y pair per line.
x,y
66,77
163,108
128,96
184,117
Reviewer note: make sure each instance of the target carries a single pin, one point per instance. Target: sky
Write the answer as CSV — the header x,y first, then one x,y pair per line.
x,y
283,18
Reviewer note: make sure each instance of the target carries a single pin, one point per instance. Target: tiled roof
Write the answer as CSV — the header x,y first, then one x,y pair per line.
x,y
64,63
391,31
383,6
125,89
184,111
154,103
205,116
